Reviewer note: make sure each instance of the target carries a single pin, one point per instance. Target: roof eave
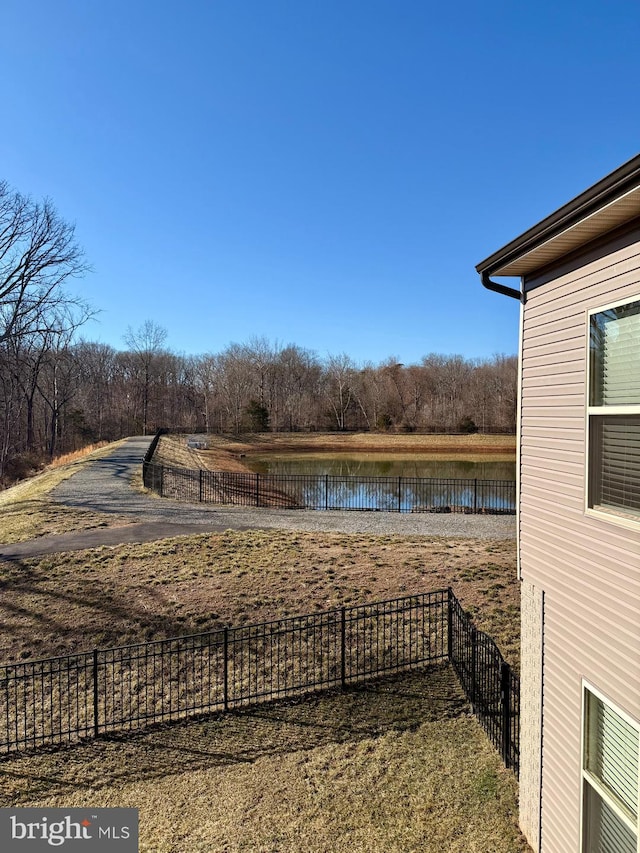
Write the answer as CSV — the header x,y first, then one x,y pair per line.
x,y
604,206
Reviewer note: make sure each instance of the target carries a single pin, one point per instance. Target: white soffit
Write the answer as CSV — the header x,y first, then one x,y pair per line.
x,y
617,212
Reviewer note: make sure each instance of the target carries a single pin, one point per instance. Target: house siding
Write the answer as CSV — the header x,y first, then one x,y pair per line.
x,y
588,568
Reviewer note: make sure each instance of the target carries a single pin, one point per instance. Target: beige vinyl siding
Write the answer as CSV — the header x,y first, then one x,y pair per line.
x,y
589,568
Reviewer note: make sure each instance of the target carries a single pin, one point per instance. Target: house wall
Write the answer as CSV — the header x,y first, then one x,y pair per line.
x,y
587,568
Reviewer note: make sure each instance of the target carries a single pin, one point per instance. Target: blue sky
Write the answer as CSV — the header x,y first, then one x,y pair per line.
x,y
320,173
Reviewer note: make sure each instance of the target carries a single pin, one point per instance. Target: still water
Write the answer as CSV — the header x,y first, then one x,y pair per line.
x,y
376,465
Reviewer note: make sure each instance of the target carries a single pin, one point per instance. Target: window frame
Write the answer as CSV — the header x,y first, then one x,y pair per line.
x,y
587,778
613,514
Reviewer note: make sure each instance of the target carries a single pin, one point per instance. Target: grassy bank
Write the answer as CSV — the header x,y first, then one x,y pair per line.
x,y
27,511
226,453
366,442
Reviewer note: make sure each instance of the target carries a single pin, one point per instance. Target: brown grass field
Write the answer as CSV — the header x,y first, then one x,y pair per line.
x,y
114,596
397,765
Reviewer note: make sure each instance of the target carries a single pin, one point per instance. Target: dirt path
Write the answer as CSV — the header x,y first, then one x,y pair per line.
x,y
105,485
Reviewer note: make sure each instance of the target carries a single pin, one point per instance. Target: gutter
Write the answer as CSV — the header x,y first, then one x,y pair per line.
x,y
521,296
501,288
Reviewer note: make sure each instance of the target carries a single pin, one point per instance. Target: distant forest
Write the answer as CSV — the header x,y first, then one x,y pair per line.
x,y
59,393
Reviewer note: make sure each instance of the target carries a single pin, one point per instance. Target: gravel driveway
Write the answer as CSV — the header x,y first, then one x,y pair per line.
x,y
104,485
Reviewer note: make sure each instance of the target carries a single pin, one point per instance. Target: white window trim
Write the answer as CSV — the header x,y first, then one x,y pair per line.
x,y
588,778
612,516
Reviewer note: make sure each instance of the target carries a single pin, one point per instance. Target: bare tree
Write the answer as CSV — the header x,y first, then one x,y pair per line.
x,y
58,383
145,344
11,401
38,252
96,396
205,368
295,389
339,372
235,384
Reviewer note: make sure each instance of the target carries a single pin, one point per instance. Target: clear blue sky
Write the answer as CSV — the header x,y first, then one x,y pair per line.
x,y
323,172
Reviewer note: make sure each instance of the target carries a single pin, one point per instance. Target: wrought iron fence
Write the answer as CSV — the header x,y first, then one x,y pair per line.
x,y
491,686
54,700
328,491
83,695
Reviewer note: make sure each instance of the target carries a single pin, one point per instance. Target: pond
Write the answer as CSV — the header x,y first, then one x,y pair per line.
x,y
404,483
378,465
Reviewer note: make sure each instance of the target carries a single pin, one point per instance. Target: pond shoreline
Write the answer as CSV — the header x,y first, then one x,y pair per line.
x,y
228,453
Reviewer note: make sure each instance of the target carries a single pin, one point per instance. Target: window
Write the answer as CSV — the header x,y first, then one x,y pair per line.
x,y
614,410
610,778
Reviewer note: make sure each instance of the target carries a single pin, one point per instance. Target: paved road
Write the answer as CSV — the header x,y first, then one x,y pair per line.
x,y
104,485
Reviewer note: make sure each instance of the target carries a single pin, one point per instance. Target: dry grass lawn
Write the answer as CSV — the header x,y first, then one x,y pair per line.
x,y
113,596
394,766
27,511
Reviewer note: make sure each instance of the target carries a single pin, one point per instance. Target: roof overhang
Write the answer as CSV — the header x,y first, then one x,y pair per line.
x,y
612,202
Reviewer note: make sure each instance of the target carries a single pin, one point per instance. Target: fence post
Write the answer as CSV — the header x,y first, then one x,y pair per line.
x,y
474,674
343,645
326,491
257,489
200,483
505,693
399,494
95,693
225,677
475,495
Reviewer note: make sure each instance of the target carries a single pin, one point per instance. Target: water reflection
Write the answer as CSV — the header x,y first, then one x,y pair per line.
x,y
401,484
379,466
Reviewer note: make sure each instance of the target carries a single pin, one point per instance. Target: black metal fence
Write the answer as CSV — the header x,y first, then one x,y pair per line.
x,y
327,491
491,686
154,443
83,695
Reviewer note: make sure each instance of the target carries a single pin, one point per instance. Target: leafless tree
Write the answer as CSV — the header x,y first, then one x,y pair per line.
x,y
298,374
38,253
58,383
205,370
145,344
340,372
97,393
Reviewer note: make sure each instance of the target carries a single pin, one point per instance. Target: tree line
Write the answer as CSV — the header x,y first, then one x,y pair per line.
x,y
59,392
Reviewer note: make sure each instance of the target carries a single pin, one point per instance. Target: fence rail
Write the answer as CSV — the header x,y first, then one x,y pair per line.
x,y
329,491
128,687
491,686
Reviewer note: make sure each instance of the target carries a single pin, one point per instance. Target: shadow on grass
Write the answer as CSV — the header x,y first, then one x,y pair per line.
x,y
33,610
397,703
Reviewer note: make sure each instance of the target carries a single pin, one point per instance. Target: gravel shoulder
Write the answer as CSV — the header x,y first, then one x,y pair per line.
x,y
106,485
